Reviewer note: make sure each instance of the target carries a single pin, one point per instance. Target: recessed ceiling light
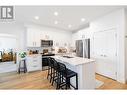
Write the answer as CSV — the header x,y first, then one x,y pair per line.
x,y
36,17
56,22
83,19
56,13
69,25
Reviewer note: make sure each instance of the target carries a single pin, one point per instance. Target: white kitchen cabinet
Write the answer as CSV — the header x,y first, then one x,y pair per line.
x,y
35,35
61,43
34,62
33,38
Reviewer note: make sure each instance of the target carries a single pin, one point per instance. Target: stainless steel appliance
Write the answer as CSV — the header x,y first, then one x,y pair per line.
x,y
46,43
45,60
83,48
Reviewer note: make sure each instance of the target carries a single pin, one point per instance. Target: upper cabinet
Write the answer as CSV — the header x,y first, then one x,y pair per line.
x,y
33,37
36,34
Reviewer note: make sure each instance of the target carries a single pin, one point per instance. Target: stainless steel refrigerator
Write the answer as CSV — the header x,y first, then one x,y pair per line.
x,y
83,48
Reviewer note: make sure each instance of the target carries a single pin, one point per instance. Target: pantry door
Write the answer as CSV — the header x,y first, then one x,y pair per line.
x,y
105,52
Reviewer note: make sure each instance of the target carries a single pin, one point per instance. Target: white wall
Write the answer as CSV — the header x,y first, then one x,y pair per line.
x,y
126,42
112,20
8,41
15,29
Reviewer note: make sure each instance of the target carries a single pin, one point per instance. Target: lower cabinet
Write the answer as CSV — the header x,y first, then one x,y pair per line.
x,y
34,63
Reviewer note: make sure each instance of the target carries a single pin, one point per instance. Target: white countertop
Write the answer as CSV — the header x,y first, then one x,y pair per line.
x,y
33,55
73,61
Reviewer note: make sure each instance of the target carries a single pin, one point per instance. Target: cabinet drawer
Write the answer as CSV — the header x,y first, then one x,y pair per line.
x,y
34,64
31,61
34,68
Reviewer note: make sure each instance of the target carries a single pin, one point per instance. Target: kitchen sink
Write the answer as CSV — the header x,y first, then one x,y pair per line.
x,y
67,56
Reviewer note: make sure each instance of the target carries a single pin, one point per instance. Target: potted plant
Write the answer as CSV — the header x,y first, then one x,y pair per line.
x,y
22,55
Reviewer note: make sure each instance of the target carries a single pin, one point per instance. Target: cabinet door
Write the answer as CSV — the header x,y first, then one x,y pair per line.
x,y
34,63
105,53
33,37
30,38
37,37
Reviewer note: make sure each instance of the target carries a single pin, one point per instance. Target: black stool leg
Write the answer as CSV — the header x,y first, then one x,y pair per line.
x,y
53,78
58,82
51,75
76,81
48,72
25,66
68,83
19,69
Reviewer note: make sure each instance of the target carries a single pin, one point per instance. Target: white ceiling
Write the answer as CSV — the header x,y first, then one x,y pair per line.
x,y
66,15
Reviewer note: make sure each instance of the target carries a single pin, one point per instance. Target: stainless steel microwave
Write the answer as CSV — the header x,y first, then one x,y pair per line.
x,y
46,43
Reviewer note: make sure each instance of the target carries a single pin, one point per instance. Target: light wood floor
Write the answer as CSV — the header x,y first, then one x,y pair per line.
x,y
38,80
33,80
110,84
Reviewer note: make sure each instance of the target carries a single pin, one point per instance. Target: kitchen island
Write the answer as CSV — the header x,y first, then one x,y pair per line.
x,y
84,67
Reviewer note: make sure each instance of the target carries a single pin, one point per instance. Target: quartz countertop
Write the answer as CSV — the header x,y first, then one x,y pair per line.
x,y
73,60
32,55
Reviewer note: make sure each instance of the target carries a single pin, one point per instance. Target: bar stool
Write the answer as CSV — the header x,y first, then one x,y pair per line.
x,y
55,74
50,69
22,66
65,76
61,75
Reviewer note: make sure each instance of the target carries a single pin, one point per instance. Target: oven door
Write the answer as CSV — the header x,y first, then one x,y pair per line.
x,y
44,61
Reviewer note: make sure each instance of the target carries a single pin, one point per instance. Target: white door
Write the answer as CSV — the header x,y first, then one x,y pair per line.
x,y
105,53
